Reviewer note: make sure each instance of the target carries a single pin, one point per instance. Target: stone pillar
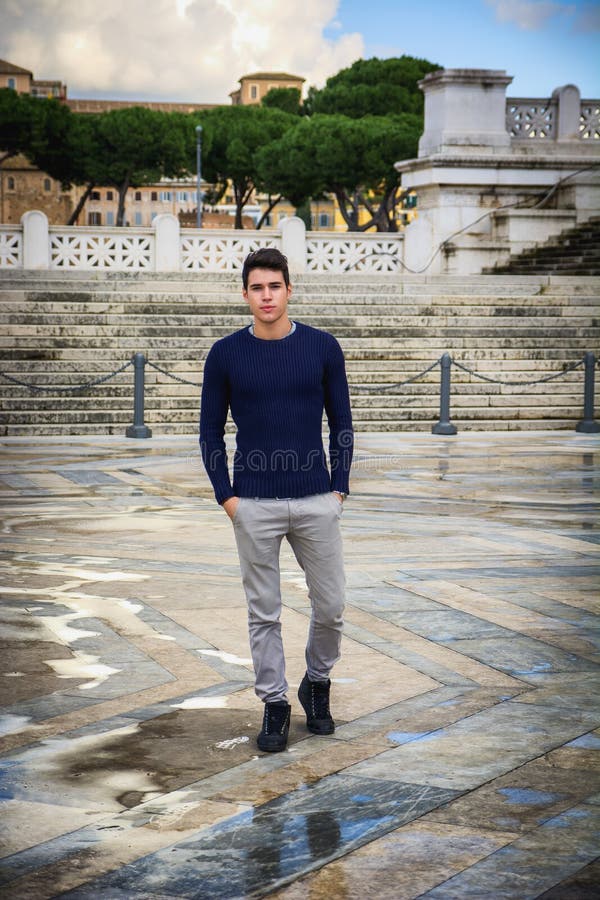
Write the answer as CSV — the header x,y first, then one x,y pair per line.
x,y
568,101
167,253
293,243
36,240
464,108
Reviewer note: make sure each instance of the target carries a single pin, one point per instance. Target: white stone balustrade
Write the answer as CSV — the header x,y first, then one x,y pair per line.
x,y
165,247
562,117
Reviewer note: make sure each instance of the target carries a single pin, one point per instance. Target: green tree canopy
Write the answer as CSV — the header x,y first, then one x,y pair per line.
x,y
234,137
122,148
16,122
286,98
376,87
350,158
51,137
138,146
38,129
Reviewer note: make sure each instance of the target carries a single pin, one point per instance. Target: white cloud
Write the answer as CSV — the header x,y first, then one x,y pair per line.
x,y
530,15
192,50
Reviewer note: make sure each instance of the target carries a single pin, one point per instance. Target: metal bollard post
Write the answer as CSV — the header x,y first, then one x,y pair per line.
x,y
444,426
138,429
588,425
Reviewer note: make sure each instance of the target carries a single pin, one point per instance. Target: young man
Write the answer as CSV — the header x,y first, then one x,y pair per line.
x,y
276,377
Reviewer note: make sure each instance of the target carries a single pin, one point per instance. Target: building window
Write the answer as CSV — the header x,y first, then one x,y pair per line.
x,y
324,220
153,196
253,91
47,184
12,84
10,183
138,218
95,195
183,197
165,196
153,216
138,196
110,218
94,218
109,195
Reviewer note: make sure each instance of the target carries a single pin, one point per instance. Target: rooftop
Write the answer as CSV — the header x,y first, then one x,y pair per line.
x,y
8,68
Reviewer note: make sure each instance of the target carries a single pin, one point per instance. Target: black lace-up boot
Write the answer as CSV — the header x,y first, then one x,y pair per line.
x,y
276,725
314,697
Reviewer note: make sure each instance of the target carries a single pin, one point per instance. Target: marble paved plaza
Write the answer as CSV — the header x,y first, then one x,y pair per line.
x,y
466,759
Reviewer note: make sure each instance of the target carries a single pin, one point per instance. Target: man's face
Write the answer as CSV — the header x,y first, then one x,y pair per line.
x,y
267,295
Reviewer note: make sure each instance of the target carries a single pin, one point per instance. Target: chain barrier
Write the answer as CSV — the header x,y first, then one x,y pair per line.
x,y
570,368
358,388
67,390
170,375
444,426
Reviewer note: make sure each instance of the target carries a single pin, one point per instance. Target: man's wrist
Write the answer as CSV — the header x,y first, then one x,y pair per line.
x,y
341,494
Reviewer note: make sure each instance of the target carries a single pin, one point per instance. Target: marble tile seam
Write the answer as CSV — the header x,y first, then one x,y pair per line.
x,y
455,661
517,869
468,602
69,844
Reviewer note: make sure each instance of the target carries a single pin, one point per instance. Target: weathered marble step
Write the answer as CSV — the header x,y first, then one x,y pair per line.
x,y
357,376
473,396
198,281
435,306
393,425
15,312
203,278
178,303
588,252
375,416
576,265
332,295
542,327
143,303
409,339
189,365
530,285
342,295
354,350
188,359
372,394
397,322
199,278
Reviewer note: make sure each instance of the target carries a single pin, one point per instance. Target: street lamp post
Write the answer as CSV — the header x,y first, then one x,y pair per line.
x,y
198,176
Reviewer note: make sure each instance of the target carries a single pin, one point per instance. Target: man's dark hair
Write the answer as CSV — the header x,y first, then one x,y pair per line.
x,y
266,258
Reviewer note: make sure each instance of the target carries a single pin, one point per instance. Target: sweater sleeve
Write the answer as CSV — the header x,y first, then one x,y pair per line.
x,y
214,407
339,418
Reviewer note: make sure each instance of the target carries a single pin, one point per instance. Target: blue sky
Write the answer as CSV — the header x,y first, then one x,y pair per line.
x,y
543,45
196,50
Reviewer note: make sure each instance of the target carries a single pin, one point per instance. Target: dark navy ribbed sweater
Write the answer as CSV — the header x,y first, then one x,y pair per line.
x,y
276,391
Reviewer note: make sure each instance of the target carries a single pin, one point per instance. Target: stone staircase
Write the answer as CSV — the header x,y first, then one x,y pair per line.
x,y
576,251
64,329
